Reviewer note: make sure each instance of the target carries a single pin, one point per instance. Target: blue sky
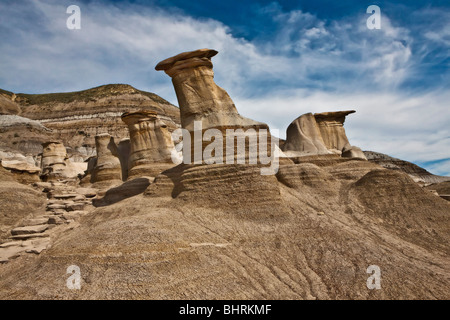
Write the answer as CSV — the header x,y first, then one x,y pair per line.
x,y
277,60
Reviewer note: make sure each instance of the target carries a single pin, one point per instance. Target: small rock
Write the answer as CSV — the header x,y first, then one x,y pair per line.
x,y
35,221
72,215
28,230
28,236
75,207
79,198
55,220
87,192
10,244
56,206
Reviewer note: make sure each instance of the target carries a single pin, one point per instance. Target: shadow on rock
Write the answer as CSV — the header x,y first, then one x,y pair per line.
x,y
126,190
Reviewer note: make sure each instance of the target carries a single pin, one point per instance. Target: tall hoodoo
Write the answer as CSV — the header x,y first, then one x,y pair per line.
x,y
200,98
150,144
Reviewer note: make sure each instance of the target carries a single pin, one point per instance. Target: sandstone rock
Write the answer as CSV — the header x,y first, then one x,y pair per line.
x,y
87,192
24,172
17,201
75,206
77,117
74,215
198,95
107,167
11,244
29,236
331,126
20,166
55,163
304,137
320,134
35,221
150,143
28,230
202,100
55,220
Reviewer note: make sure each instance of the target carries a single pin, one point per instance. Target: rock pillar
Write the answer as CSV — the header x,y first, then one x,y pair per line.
x,y
107,167
202,101
151,144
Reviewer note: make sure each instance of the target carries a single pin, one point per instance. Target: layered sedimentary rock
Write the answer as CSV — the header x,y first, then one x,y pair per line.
x,y
321,133
55,163
75,118
24,172
414,171
107,167
203,104
151,144
303,135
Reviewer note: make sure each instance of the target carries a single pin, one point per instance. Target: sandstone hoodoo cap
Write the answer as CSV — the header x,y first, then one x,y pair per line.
x,y
176,60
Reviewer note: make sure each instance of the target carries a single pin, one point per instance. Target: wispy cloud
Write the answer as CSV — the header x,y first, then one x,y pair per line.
x,y
394,77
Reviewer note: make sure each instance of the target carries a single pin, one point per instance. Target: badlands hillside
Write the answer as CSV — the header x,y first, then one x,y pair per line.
x,y
88,179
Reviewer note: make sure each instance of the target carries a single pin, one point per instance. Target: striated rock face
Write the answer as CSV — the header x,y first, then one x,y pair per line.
x,y
331,127
417,173
150,144
321,133
107,167
77,117
11,212
303,135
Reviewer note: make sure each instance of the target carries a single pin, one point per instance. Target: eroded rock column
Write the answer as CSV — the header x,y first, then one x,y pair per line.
x,y
107,167
202,101
54,161
151,144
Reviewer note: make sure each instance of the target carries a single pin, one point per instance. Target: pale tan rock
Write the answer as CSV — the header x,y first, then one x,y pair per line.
x,y
199,97
202,100
303,137
107,167
331,126
320,134
150,144
28,230
56,164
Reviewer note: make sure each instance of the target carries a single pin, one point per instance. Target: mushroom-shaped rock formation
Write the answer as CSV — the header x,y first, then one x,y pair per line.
x,y
321,133
107,167
202,101
151,144
199,97
303,135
